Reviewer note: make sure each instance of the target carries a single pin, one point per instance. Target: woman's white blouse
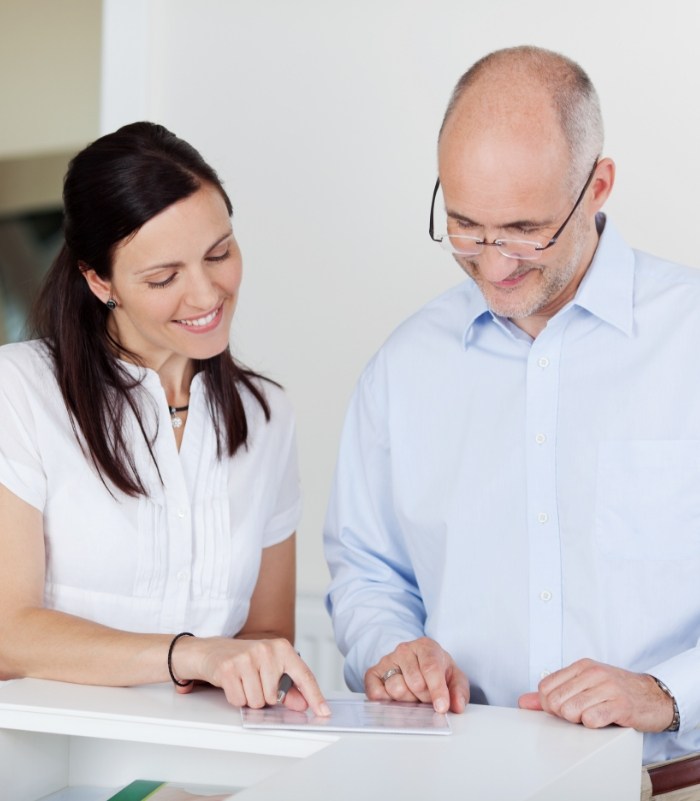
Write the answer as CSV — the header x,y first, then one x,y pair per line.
x,y
186,557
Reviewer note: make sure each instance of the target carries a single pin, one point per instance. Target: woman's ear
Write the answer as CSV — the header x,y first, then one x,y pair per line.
x,y
101,288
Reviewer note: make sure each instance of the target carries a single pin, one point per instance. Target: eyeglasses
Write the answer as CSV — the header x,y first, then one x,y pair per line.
x,y
522,250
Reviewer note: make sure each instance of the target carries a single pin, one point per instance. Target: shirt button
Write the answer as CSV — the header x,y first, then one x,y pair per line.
x,y
181,512
182,575
545,596
544,674
543,361
540,439
542,517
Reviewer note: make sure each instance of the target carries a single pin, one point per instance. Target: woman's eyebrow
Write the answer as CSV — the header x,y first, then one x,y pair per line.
x,y
170,264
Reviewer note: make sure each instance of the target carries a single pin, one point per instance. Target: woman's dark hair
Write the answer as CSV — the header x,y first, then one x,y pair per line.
x,y
111,189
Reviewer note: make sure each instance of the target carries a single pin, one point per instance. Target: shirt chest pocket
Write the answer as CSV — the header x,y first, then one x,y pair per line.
x,y
648,499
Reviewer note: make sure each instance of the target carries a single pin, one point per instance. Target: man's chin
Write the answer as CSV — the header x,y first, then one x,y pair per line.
x,y
513,311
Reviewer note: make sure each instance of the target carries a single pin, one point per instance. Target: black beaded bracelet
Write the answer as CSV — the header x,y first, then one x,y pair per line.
x,y
170,659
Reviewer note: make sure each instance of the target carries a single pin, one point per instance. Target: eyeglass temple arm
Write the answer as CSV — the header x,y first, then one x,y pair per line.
x,y
553,240
431,228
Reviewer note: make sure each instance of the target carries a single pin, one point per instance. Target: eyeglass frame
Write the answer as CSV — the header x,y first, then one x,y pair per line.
x,y
497,242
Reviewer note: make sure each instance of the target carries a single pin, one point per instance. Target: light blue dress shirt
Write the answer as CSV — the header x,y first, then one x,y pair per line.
x,y
527,503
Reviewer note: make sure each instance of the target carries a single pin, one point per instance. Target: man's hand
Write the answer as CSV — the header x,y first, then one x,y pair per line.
x,y
426,673
597,695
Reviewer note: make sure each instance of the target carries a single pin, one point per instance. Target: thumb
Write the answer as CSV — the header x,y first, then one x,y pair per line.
x,y
530,701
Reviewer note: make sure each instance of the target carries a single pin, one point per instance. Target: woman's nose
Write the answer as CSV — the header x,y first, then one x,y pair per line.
x,y
201,293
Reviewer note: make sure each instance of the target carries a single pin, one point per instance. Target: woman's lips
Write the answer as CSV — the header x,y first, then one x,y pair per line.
x,y
200,325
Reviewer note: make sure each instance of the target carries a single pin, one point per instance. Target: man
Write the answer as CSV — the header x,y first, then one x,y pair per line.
x,y
517,497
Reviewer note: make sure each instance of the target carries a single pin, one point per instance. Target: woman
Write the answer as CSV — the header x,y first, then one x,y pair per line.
x,y
148,484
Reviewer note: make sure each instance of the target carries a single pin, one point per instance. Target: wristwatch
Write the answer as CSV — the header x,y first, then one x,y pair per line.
x,y
676,722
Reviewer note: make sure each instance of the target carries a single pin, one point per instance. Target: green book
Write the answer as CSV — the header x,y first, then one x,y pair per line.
x,y
137,791
141,790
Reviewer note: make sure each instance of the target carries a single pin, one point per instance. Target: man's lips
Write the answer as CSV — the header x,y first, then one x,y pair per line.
x,y
513,280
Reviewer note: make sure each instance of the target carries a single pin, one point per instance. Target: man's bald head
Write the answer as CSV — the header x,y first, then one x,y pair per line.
x,y
520,89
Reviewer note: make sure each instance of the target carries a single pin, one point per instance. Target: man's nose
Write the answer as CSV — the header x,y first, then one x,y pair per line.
x,y
494,266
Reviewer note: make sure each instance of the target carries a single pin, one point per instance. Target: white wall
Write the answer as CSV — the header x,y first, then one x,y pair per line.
x,y
321,117
49,76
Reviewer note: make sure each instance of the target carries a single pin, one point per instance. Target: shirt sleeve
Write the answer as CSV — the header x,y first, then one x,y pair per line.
x,y
373,597
286,505
21,469
680,675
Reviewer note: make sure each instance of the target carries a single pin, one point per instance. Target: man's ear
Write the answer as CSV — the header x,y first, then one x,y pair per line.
x,y
101,288
602,184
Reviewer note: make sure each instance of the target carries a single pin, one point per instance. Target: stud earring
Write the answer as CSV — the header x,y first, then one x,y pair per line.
x,y
111,304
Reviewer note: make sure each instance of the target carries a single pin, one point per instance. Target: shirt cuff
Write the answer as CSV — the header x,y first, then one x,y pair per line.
x,y
679,674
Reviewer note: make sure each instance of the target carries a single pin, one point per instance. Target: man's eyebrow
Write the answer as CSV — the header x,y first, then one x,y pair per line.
x,y
171,264
462,218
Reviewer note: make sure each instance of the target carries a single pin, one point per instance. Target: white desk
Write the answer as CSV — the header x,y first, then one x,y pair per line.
x,y
54,735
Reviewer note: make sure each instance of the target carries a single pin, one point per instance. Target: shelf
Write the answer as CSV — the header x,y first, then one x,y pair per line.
x,y
149,714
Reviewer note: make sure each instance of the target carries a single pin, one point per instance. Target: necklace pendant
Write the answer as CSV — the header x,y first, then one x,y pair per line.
x,y
174,419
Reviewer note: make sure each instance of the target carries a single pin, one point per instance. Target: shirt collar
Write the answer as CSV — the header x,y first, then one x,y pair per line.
x,y
606,291
151,379
476,307
607,288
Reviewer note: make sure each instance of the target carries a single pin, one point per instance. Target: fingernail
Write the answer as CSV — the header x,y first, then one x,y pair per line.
x,y
441,705
325,710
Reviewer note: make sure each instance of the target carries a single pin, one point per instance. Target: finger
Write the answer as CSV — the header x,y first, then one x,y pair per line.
x,y
253,689
270,678
233,690
530,701
398,690
599,715
574,708
432,667
375,682
295,701
240,676
406,681
458,686
412,673
571,673
377,688
307,685
374,686
569,698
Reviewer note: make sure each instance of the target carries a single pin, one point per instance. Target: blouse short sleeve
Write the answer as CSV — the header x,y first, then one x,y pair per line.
x,y
22,370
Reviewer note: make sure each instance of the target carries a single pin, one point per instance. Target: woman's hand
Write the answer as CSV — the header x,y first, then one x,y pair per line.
x,y
249,671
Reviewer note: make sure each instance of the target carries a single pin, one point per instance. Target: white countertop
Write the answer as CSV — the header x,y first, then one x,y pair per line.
x,y
493,754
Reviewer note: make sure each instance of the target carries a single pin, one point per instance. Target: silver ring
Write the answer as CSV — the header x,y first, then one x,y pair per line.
x,y
395,671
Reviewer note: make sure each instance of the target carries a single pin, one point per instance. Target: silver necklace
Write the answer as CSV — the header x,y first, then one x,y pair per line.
x,y
174,419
